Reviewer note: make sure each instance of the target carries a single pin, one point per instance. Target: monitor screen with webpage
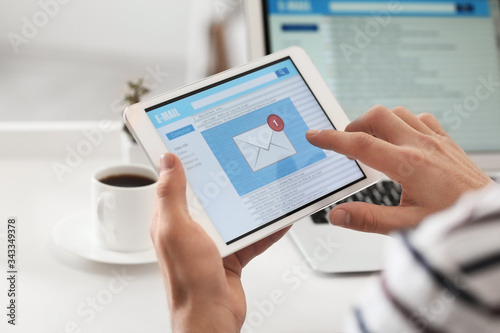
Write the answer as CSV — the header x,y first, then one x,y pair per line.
x,y
440,57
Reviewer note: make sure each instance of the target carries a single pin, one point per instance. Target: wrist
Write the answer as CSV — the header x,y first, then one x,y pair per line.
x,y
207,319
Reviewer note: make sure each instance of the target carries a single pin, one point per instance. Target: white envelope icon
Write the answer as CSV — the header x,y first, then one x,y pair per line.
x,y
262,146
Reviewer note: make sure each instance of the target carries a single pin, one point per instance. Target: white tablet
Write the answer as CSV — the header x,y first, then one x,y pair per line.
x,y
240,135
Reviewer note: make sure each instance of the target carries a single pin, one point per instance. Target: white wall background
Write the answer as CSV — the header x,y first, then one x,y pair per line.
x,y
114,27
76,65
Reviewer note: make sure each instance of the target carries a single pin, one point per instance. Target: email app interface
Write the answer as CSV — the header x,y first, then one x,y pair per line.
x,y
242,143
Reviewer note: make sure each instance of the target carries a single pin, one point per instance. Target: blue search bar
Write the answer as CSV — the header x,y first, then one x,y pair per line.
x,y
405,7
239,88
281,72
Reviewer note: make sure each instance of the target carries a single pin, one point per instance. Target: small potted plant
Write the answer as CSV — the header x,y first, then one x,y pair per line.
x,y
131,151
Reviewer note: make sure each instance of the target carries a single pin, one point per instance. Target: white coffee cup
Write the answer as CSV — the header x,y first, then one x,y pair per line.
x,y
121,215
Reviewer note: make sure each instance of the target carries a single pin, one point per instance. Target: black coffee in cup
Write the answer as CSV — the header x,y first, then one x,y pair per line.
x,y
127,180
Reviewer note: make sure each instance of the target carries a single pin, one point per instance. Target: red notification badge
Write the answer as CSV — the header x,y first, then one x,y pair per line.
x,y
276,123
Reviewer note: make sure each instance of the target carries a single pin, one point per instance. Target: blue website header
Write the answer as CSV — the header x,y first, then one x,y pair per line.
x,y
472,8
223,93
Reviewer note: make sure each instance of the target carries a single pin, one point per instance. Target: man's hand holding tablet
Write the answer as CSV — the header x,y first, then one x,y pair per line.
x,y
204,291
241,138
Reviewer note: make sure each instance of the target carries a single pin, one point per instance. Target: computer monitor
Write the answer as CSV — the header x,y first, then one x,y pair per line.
x,y
440,57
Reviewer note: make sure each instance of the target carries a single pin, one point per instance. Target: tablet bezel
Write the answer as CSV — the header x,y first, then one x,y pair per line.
x,y
150,141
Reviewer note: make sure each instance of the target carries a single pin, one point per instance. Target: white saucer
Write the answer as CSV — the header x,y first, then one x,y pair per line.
x,y
73,233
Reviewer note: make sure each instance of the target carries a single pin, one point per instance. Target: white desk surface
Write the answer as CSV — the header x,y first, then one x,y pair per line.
x,y
55,285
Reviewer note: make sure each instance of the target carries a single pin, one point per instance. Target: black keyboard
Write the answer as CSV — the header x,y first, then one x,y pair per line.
x,y
384,193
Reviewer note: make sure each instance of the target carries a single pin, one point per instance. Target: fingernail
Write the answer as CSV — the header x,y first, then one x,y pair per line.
x,y
312,132
341,218
167,161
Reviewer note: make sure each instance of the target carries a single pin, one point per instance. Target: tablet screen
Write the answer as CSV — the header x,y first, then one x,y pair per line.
x,y
242,143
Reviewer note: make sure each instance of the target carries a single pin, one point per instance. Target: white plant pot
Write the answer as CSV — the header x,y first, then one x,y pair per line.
x,y
132,153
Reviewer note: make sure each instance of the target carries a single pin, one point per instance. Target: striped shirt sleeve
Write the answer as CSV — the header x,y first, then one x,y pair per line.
x,y
444,276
